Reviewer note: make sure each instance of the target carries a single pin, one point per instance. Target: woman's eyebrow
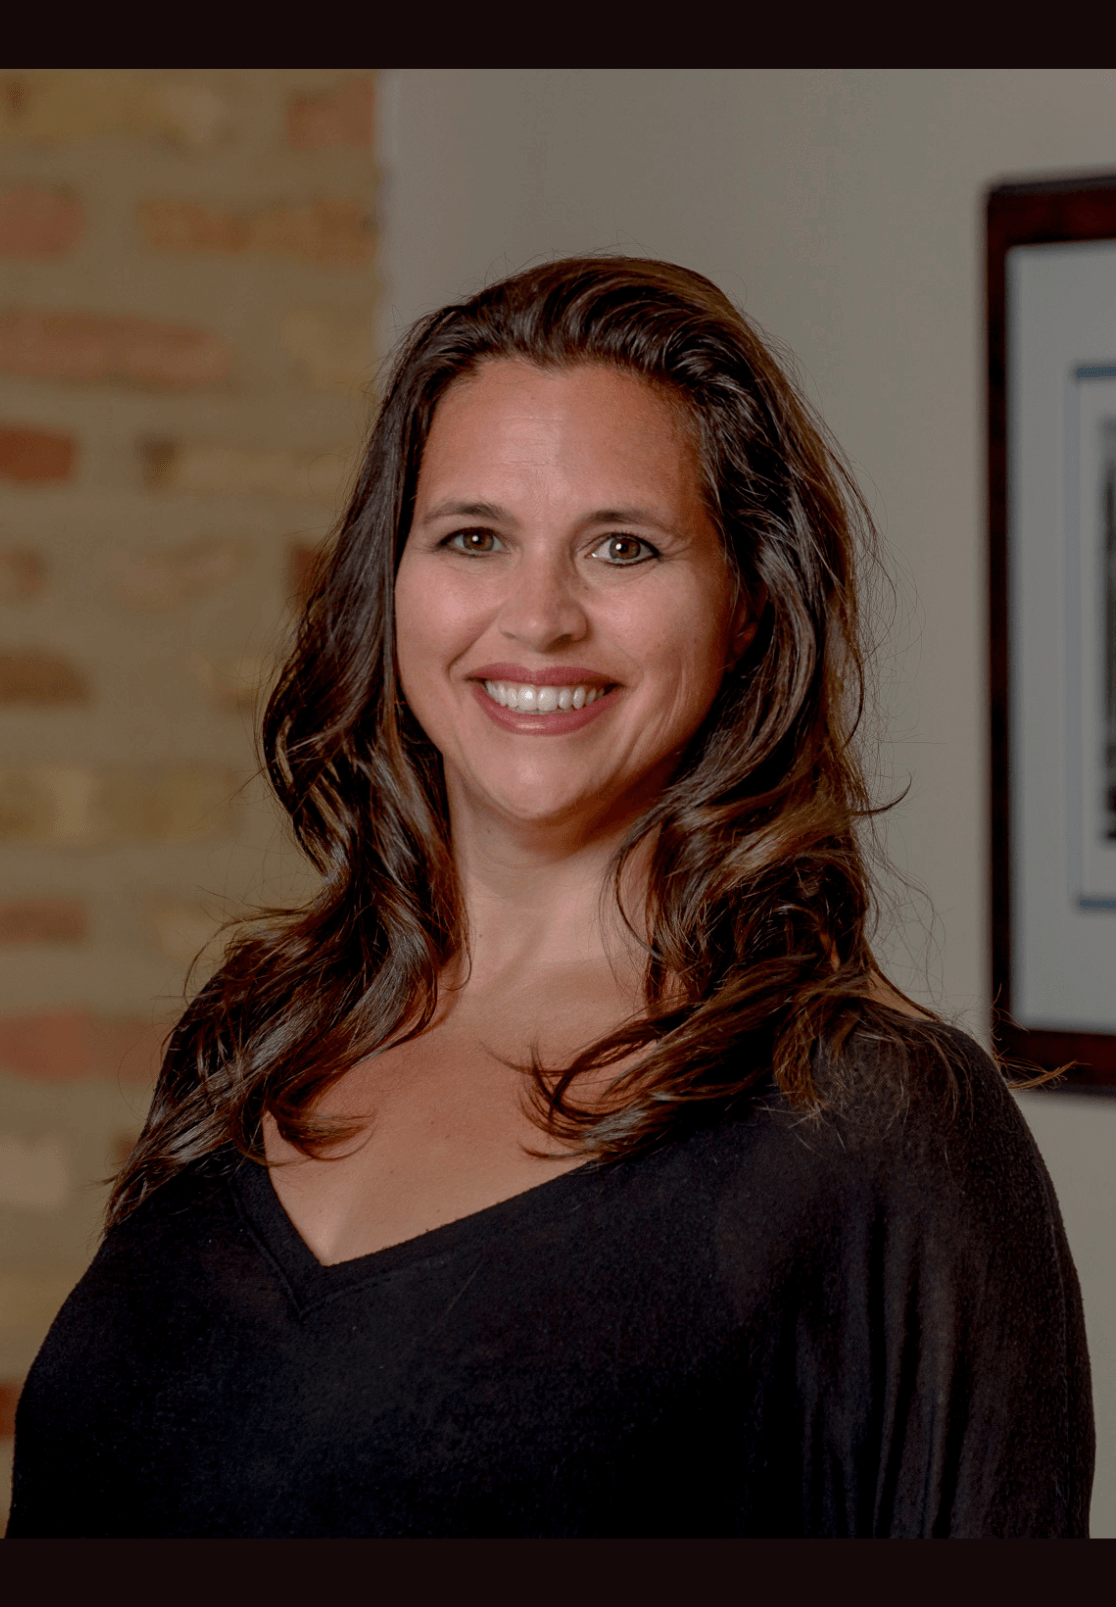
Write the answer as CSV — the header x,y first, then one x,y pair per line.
x,y
629,516
468,510
492,511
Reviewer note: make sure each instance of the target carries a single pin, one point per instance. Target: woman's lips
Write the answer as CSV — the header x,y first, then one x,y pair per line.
x,y
556,723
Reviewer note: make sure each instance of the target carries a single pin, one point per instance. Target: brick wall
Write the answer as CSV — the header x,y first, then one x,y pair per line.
x,y
187,263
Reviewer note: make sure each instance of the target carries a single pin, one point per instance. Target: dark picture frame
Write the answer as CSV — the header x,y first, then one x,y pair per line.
x,y
1057,213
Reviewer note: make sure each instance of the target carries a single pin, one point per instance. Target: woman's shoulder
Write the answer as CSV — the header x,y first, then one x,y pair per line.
x,y
921,1086
912,1116
906,1234
173,1226
925,1090
157,1268
915,1171
917,1066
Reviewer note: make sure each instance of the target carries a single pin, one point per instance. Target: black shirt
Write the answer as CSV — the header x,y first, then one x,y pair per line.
x,y
863,1325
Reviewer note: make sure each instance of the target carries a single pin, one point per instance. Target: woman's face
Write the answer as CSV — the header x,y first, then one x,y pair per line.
x,y
564,609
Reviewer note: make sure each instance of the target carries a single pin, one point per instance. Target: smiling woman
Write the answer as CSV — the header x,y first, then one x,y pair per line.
x,y
565,457
567,1168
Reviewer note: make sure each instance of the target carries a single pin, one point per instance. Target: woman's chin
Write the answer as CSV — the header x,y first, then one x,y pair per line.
x,y
539,808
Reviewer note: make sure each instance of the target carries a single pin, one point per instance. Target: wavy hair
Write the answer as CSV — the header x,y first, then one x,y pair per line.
x,y
758,898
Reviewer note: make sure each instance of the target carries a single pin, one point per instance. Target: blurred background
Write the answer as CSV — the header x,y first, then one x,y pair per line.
x,y
200,273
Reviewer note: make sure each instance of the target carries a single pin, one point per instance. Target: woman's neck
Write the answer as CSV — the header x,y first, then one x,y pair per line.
x,y
546,902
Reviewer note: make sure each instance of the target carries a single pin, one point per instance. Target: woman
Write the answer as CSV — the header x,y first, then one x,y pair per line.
x,y
567,1168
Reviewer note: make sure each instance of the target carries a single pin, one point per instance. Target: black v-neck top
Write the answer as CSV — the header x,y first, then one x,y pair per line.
x,y
865,1325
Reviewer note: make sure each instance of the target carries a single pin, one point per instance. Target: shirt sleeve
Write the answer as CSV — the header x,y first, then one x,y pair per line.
x,y
942,1358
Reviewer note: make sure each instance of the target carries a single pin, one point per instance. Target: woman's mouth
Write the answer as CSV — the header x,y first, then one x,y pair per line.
x,y
554,702
521,697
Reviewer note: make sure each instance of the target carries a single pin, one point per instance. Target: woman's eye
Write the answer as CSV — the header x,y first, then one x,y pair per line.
x,y
475,541
622,550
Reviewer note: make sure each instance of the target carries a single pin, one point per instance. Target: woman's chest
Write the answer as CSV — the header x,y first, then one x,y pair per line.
x,y
544,1373
444,1132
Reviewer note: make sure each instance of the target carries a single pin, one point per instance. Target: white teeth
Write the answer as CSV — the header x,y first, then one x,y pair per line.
x,y
524,698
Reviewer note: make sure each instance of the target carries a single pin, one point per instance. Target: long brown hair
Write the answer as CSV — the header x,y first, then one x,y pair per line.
x,y
758,899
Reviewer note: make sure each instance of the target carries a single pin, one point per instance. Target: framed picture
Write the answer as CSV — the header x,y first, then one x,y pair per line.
x,y
1052,505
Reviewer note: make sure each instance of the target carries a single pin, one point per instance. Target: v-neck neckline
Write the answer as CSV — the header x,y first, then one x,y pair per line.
x,y
311,1281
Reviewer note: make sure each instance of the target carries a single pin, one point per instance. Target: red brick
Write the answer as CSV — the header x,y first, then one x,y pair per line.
x,y
332,349
39,222
10,1390
34,1176
31,1299
32,676
71,1044
55,803
36,456
22,575
192,226
72,105
170,803
167,577
31,921
341,117
182,929
332,234
78,805
93,346
236,683
226,468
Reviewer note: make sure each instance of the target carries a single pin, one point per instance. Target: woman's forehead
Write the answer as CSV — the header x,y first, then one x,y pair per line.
x,y
512,420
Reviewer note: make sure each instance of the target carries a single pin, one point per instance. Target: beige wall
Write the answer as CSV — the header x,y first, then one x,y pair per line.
x,y
843,209
187,289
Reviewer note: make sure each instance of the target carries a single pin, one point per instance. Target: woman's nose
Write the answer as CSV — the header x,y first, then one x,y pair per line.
x,y
542,609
